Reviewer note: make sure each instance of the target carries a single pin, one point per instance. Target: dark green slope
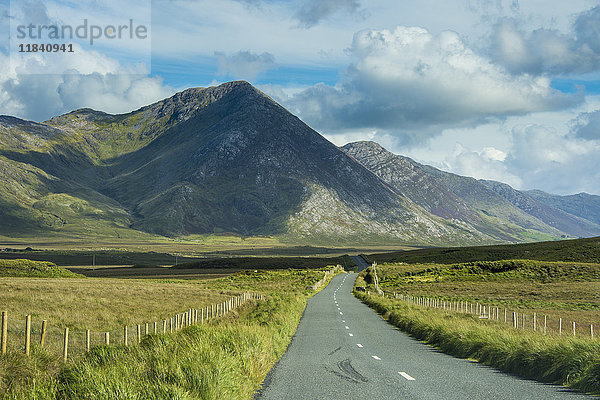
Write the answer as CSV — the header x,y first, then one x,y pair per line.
x,y
577,250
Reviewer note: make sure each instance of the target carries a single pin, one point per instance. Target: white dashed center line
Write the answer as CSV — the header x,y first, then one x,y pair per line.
x,y
375,357
347,327
350,334
341,313
406,376
359,345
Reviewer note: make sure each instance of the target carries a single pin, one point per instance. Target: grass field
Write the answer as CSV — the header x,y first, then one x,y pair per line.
x,y
564,290
225,359
162,251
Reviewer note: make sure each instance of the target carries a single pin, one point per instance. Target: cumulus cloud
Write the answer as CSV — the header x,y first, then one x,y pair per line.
x,y
587,126
538,157
244,64
548,51
89,80
313,11
487,163
556,162
411,81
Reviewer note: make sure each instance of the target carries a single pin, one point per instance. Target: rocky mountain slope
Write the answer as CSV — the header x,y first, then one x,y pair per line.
x,y
490,207
583,205
220,159
230,159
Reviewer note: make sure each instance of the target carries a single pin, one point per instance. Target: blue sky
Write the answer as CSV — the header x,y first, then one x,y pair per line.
x,y
495,89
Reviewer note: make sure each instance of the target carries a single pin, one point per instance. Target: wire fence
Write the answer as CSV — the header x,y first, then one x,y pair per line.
x,y
27,335
521,320
517,319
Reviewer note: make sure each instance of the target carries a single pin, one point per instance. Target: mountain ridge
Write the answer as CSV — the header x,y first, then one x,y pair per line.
x,y
220,159
467,199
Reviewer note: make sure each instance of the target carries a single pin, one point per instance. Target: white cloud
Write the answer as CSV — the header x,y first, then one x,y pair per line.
x,y
548,51
412,82
587,125
244,64
553,161
485,164
88,80
314,11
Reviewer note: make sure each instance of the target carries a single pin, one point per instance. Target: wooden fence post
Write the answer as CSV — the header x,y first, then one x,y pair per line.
x,y
534,322
125,335
545,320
66,345
592,330
4,336
155,328
27,334
107,338
560,326
574,334
164,326
139,333
87,340
43,333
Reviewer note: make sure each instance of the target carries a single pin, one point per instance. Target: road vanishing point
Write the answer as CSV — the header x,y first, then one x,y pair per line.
x,y
344,350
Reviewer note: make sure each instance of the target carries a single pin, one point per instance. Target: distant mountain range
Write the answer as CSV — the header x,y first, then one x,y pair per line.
x,y
230,159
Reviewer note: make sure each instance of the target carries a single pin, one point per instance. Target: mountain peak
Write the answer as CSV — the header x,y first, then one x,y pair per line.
x,y
183,105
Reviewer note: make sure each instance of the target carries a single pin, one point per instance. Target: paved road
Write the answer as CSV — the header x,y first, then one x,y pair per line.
x,y
360,262
344,350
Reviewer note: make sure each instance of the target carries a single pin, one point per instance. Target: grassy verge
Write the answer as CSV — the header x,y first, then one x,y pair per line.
x,y
226,358
572,362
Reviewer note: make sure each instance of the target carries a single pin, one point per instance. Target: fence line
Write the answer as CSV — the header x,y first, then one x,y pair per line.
x,y
73,341
331,272
518,320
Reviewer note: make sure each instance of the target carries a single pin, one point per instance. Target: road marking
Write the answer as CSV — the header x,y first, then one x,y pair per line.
x,y
347,327
359,345
350,334
343,320
406,376
341,313
375,357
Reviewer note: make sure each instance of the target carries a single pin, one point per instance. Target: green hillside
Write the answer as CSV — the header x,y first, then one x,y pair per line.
x,y
579,250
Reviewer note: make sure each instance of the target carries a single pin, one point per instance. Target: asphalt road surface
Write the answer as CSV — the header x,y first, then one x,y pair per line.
x,y
344,350
360,262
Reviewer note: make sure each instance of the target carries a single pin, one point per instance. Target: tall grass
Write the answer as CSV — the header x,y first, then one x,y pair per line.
x,y
226,358
568,361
